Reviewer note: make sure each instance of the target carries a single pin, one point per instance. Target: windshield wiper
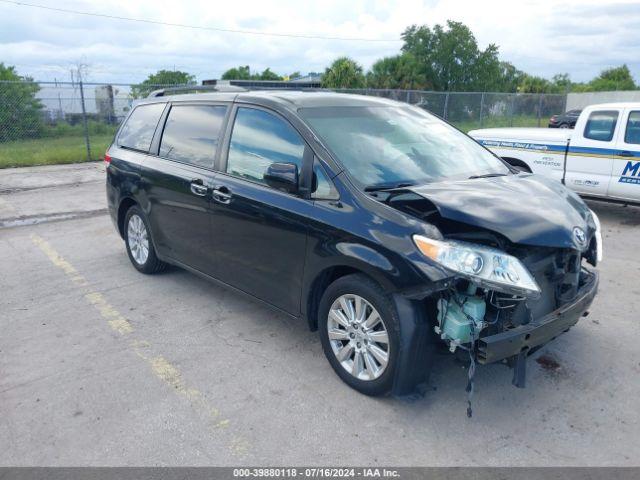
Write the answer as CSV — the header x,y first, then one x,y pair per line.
x,y
387,186
488,175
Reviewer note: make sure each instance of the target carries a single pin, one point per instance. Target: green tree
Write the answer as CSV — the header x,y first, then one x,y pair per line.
x,y
449,57
244,73
343,73
20,110
535,84
562,82
506,78
239,73
162,78
267,74
400,71
613,79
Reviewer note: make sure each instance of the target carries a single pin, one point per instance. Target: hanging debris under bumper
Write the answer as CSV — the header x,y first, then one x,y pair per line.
x,y
522,340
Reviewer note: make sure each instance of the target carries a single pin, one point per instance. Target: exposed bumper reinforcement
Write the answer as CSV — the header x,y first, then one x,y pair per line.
x,y
527,337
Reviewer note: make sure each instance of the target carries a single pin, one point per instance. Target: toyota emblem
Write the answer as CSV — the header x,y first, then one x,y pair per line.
x,y
580,237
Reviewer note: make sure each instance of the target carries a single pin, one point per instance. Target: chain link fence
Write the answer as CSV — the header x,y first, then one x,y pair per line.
x,y
59,122
56,122
471,110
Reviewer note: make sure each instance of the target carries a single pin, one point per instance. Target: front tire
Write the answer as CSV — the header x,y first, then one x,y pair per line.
x,y
359,330
137,238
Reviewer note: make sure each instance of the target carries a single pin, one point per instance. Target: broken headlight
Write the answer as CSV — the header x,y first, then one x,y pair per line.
x,y
485,266
596,220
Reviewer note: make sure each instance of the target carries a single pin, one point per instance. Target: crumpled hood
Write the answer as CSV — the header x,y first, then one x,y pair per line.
x,y
527,209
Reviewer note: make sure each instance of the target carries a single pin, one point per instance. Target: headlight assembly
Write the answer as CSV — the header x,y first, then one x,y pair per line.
x,y
487,267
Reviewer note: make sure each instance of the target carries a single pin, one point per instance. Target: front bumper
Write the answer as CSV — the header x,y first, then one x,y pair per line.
x,y
526,338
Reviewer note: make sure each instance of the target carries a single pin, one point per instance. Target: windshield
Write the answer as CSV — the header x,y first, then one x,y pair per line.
x,y
396,146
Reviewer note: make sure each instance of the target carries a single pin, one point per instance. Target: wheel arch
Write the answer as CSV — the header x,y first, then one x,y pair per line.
x,y
125,204
417,340
326,277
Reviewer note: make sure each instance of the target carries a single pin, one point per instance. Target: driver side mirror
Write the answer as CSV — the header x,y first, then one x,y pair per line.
x,y
283,176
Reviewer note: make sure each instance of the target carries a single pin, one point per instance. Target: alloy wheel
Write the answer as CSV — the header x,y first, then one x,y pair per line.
x,y
138,239
358,337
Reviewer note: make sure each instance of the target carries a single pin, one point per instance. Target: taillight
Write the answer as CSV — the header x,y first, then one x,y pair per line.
x,y
107,158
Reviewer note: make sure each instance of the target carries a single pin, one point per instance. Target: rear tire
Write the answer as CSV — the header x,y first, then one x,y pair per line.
x,y
137,238
361,349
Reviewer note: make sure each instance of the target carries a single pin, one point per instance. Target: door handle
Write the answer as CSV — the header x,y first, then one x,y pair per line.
x,y
222,195
625,153
198,187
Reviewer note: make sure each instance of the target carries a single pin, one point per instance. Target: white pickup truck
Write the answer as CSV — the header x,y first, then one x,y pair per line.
x,y
599,158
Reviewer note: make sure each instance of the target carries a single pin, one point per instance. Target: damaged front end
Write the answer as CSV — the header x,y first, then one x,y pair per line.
x,y
511,289
495,325
544,293
518,299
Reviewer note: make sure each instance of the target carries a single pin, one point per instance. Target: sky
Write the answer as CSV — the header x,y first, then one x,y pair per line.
x,y
541,37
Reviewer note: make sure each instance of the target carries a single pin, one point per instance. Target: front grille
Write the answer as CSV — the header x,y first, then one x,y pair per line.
x,y
557,272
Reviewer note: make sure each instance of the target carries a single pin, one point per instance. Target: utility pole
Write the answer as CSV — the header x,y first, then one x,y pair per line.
x,y
446,106
84,121
79,68
540,108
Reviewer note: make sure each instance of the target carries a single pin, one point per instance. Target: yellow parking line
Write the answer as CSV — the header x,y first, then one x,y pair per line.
x,y
110,314
57,259
160,366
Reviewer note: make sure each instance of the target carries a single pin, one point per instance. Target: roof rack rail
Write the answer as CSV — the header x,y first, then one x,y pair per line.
x,y
195,88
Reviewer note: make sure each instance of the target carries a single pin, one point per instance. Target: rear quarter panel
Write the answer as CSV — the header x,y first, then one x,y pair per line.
x,y
123,178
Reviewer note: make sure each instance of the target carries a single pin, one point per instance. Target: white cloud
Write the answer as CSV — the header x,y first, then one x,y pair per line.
x,y
542,37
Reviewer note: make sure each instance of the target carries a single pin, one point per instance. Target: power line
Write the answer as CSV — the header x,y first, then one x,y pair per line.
x,y
195,27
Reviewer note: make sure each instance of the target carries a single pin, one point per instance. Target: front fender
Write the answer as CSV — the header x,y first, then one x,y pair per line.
x,y
397,272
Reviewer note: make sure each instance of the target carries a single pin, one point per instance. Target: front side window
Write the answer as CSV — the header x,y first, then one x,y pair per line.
x,y
259,139
191,134
632,133
322,187
388,146
138,132
601,125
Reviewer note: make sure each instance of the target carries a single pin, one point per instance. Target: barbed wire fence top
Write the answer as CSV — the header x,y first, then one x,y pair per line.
x,y
67,122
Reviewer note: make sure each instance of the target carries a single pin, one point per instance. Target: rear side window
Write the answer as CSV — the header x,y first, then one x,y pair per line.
x,y
191,134
601,125
632,133
137,133
260,139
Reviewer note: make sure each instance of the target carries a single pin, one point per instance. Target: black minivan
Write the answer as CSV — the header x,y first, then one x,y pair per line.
x,y
385,228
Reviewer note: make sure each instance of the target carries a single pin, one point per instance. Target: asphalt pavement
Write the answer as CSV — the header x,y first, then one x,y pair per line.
x,y
101,365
